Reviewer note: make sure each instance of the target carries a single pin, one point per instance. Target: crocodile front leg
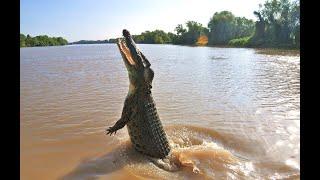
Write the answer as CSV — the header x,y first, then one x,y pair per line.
x,y
127,112
119,124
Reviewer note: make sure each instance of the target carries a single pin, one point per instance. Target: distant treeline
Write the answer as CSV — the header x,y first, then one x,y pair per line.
x,y
94,42
218,32
90,42
44,40
277,25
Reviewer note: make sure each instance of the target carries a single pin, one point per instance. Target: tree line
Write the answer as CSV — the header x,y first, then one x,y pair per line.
x,y
112,40
90,42
277,25
43,40
222,27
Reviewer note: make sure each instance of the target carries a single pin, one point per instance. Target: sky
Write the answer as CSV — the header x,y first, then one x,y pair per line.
x,y
77,20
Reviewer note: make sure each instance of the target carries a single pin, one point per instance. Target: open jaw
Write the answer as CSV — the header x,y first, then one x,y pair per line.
x,y
130,53
125,52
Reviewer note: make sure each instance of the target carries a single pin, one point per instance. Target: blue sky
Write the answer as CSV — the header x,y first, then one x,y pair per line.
x,y
103,19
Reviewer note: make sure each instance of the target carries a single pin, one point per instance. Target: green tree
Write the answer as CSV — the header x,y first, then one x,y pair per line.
x,y
294,23
158,39
22,40
224,26
282,22
190,35
243,27
195,30
260,27
153,37
61,41
221,27
29,41
180,29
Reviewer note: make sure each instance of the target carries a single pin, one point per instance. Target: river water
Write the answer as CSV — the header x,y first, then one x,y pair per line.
x,y
229,113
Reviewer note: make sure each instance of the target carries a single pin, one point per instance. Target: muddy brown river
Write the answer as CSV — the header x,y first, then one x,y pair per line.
x,y
229,113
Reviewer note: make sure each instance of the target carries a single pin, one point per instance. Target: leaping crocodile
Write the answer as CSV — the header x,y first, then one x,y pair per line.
x,y
139,111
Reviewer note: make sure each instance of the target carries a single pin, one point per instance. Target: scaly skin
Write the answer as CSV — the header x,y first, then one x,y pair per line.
x,y
139,112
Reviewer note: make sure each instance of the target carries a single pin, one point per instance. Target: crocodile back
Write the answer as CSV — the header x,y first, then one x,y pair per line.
x,y
146,131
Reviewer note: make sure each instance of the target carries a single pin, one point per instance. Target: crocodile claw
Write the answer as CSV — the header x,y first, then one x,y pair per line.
x,y
111,130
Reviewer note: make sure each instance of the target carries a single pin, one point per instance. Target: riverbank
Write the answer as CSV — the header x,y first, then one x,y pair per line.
x,y
268,50
267,46
257,47
294,50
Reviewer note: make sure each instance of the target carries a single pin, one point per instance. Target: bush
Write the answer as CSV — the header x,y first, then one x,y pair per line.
x,y
242,42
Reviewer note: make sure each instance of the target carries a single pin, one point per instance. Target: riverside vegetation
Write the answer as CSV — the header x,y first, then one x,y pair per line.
x,y
43,40
277,25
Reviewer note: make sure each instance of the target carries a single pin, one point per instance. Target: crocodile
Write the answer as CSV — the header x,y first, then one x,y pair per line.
x,y
139,111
